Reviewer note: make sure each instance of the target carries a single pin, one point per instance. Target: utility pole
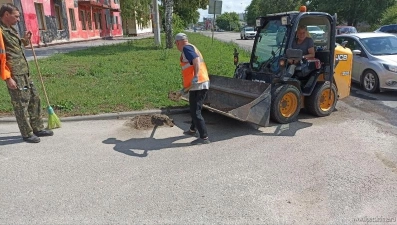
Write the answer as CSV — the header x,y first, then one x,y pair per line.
x,y
156,23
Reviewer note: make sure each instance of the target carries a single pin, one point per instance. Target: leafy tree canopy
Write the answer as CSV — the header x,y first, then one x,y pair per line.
x,y
228,21
348,11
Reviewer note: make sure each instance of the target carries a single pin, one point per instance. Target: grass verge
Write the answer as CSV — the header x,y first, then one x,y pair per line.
x,y
134,75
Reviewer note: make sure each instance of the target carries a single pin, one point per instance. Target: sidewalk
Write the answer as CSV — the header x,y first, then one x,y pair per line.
x,y
63,47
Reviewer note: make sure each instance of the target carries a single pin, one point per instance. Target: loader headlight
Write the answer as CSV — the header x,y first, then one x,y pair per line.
x,y
391,68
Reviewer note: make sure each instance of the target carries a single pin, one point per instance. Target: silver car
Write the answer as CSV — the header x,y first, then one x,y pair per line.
x,y
375,59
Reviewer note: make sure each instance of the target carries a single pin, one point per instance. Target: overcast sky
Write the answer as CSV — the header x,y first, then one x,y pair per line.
x,y
237,6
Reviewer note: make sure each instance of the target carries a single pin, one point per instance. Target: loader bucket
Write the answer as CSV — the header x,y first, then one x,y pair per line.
x,y
243,100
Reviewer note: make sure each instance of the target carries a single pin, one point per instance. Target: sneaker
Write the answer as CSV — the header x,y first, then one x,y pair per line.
x,y
200,141
31,139
43,133
190,132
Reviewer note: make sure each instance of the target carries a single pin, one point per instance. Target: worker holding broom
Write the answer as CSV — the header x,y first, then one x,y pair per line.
x,y
14,70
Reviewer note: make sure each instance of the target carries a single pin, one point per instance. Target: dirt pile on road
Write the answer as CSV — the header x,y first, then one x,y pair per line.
x,y
145,122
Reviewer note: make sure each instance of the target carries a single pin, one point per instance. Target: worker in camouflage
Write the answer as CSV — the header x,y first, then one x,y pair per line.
x,y
15,72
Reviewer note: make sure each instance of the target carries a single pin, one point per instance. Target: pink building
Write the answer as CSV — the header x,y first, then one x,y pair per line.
x,y
56,21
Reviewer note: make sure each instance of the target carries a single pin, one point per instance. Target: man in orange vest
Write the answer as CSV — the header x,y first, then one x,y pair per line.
x,y
195,81
14,70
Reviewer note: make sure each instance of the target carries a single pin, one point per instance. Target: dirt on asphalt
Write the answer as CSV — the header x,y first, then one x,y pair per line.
x,y
148,121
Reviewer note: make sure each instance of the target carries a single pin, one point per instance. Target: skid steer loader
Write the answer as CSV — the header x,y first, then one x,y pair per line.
x,y
262,88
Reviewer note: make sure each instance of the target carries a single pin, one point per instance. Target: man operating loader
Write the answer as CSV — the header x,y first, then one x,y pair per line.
x,y
196,82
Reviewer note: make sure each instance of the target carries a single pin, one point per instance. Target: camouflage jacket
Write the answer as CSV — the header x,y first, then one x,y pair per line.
x,y
15,51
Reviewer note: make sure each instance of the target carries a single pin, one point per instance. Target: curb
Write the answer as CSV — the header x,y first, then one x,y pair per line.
x,y
108,116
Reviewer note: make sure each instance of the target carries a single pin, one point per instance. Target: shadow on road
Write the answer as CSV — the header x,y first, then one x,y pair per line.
x,y
220,128
357,91
9,140
146,144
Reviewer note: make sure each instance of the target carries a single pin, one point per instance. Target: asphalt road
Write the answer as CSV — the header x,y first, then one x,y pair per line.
x,y
340,169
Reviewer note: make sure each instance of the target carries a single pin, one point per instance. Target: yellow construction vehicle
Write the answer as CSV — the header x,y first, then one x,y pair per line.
x,y
263,88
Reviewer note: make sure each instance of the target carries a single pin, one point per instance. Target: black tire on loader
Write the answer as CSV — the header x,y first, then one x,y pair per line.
x,y
319,103
286,103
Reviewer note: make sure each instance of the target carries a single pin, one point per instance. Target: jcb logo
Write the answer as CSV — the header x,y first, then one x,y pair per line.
x,y
341,57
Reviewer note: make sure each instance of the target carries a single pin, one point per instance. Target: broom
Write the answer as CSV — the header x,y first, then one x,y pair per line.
x,y
53,120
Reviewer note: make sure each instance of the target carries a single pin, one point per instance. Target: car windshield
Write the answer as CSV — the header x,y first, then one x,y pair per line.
x,y
314,28
248,29
380,45
347,30
269,46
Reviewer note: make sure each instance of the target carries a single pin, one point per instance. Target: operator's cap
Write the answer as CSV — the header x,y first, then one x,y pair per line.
x,y
180,36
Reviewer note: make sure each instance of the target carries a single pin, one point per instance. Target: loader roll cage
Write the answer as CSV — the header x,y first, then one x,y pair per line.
x,y
276,33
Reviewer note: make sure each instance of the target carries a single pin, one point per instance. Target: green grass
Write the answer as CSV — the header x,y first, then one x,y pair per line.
x,y
134,75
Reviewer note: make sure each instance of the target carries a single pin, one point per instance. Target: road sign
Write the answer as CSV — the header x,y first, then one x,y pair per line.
x,y
215,7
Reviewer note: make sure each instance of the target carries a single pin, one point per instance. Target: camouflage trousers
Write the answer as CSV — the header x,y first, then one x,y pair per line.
x,y
27,106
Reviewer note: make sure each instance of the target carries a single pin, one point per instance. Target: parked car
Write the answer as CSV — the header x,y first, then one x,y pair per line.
x,y
316,33
375,59
345,30
247,32
391,29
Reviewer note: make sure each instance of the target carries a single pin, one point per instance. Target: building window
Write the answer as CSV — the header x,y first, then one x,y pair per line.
x,y
40,15
107,21
58,17
117,22
95,15
82,20
72,19
99,20
89,20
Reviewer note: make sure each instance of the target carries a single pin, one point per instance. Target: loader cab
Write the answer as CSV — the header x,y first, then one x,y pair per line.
x,y
315,83
269,54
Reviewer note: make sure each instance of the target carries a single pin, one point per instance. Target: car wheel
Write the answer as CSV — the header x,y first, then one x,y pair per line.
x,y
370,81
245,38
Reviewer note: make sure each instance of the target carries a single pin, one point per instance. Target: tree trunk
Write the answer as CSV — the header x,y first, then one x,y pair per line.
x,y
169,4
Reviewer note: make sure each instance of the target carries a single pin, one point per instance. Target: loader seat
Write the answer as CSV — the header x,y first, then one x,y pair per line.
x,y
323,56
309,65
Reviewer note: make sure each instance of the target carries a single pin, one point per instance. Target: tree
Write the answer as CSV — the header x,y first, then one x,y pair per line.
x,y
389,16
354,11
263,7
349,11
228,21
136,9
189,6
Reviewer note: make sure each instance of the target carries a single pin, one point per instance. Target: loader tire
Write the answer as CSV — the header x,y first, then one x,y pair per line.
x,y
322,102
286,101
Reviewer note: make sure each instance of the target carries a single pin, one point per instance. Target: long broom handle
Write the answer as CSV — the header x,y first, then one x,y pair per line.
x,y
38,70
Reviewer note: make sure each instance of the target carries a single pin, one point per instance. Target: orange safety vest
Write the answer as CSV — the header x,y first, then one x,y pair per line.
x,y
188,70
5,72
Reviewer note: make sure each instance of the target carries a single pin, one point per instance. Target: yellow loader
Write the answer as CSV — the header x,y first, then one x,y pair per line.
x,y
262,88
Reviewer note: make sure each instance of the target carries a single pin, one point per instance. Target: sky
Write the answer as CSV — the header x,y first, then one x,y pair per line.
x,y
237,6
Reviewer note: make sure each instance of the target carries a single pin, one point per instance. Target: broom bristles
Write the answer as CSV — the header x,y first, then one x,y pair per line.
x,y
53,120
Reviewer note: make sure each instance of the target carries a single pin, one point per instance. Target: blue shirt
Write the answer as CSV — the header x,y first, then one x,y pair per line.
x,y
189,53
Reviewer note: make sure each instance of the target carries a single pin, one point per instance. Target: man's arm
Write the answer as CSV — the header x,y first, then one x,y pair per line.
x,y
196,65
311,54
310,49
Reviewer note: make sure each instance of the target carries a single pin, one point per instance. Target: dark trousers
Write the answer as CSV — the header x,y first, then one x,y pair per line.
x,y
196,100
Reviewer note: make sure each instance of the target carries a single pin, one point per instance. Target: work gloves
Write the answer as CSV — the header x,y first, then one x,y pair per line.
x,y
195,80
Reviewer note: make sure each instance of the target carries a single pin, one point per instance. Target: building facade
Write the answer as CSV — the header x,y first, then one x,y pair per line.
x,y
56,21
